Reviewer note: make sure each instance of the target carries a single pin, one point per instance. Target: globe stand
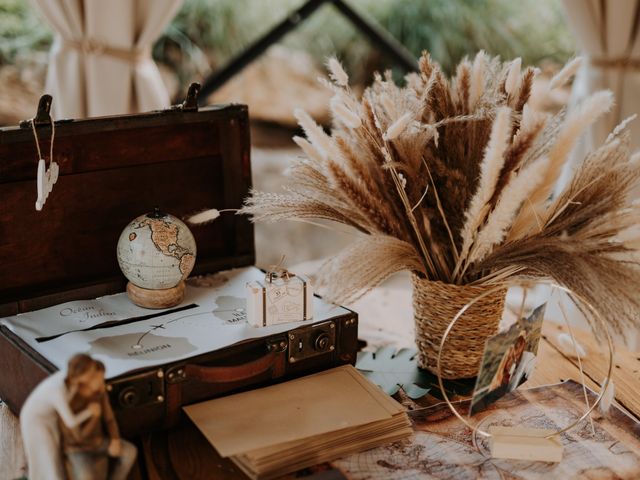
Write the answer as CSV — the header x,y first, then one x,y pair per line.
x,y
159,298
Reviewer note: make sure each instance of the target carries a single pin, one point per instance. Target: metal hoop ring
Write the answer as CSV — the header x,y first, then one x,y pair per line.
x,y
599,319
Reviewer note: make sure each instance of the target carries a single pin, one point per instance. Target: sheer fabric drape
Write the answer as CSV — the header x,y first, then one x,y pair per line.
x,y
100,62
608,35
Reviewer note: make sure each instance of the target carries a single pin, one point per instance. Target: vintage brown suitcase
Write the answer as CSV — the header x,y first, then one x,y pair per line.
x,y
112,169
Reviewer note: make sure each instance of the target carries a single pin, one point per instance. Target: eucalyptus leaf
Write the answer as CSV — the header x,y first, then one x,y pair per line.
x,y
393,369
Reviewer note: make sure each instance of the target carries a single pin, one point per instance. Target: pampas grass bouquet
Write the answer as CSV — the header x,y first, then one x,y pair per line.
x,y
453,179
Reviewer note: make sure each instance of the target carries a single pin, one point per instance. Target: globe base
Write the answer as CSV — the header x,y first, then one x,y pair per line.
x,y
160,298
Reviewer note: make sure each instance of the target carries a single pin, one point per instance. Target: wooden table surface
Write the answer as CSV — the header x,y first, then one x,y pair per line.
x,y
185,454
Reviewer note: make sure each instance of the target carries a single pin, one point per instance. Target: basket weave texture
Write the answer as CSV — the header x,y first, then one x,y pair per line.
x,y
435,304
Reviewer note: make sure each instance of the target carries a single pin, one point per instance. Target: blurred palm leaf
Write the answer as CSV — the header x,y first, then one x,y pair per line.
x,y
392,370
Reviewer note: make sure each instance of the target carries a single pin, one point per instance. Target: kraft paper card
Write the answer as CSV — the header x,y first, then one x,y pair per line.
x,y
334,400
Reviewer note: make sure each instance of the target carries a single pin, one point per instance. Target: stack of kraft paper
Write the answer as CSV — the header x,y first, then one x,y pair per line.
x,y
283,428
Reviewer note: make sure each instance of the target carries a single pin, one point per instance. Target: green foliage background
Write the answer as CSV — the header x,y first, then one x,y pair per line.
x,y
21,31
206,33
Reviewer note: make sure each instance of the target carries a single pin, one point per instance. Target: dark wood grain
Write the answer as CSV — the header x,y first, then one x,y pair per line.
x,y
112,170
21,369
183,453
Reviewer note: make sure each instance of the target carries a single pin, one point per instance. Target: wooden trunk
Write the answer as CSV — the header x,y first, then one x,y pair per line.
x,y
113,169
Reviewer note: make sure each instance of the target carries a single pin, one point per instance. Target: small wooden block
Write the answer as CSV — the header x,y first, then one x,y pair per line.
x,y
161,298
520,443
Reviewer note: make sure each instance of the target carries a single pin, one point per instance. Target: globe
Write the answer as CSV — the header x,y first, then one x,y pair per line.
x,y
156,251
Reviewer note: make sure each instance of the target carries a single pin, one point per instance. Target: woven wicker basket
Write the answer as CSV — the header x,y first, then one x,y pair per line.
x,y
435,304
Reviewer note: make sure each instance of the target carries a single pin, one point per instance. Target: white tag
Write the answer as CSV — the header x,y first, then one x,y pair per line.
x,y
521,443
45,180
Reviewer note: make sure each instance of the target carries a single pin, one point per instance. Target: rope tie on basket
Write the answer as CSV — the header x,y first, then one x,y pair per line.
x,y
434,303
89,46
620,63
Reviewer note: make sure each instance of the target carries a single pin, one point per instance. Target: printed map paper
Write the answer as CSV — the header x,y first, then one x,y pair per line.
x,y
217,320
443,447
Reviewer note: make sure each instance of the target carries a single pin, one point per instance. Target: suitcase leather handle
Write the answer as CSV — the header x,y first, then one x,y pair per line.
x,y
235,373
272,363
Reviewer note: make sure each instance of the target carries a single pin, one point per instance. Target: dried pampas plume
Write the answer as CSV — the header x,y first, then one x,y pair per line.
x,y
477,78
564,75
337,73
513,77
398,127
314,132
587,113
490,169
514,195
208,216
608,398
204,217
343,113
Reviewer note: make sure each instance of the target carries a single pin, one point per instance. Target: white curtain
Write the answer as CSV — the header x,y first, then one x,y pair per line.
x,y
100,62
608,34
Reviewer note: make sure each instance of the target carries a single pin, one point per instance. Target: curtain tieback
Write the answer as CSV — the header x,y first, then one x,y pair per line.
x,y
620,63
89,46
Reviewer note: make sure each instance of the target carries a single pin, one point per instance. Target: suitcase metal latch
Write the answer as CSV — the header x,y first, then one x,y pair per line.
x,y
311,341
190,103
138,390
176,374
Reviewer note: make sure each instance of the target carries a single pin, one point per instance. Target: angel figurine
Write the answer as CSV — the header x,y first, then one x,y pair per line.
x,y
69,430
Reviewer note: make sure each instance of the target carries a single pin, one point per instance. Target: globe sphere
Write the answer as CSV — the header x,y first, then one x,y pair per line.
x,y
156,251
